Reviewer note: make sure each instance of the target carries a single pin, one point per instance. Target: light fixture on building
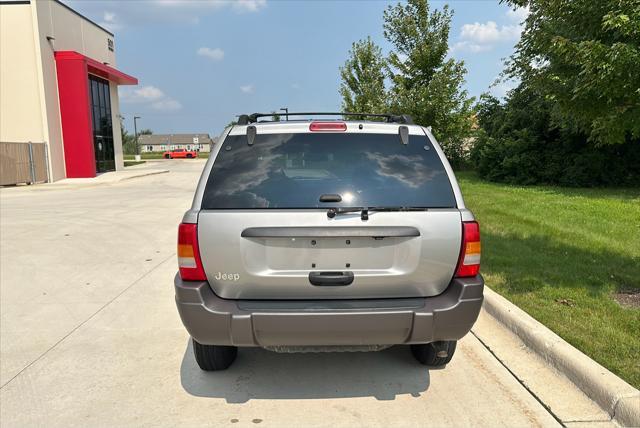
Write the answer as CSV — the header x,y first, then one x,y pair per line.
x,y
51,38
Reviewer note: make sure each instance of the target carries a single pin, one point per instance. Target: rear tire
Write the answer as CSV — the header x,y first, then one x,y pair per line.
x,y
436,354
167,156
214,357
189,156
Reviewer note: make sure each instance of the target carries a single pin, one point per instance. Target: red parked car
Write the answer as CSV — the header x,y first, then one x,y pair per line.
x,y
180,153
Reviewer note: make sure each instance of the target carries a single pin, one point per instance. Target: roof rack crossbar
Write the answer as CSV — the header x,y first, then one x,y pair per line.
x,y
245,119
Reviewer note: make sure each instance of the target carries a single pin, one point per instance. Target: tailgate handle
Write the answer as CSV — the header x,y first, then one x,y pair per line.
x,y
331,232
331,278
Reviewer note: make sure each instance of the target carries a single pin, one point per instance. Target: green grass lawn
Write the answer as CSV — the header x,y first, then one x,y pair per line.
x,y
158,155
133,163
560,254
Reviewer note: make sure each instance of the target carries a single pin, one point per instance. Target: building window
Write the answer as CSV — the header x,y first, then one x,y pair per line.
x,y
102,126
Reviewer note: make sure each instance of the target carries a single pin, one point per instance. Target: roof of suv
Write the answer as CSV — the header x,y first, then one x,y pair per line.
x,y
246,119
300,126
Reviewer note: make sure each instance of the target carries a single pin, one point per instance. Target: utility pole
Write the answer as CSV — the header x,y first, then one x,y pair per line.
x,y
135,132
286,110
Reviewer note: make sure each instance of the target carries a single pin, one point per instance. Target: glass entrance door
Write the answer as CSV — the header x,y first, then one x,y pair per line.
x,y
102,124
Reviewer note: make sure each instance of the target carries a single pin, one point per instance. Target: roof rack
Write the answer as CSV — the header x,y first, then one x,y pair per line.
x,y
245,119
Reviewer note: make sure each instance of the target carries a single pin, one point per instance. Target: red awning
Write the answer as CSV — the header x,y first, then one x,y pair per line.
x,y
98,68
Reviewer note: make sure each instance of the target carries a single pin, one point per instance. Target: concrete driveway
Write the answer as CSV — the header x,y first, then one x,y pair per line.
x,y
90,335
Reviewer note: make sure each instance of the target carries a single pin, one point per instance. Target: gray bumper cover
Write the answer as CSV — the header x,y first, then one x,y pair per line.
x,y
215,321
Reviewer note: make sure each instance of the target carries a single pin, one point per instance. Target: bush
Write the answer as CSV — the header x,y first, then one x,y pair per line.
x,y
129,147
519,144
522,161
566,161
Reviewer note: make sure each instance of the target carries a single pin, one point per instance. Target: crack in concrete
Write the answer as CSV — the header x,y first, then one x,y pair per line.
x,y
533,394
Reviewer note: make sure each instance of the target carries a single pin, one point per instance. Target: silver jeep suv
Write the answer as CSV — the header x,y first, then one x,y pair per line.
x,y
322,235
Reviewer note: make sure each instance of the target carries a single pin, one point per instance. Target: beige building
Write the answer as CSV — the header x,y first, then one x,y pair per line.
x,y
164,142
58,86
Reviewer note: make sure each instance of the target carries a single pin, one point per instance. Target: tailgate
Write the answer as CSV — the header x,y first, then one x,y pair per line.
x,y
270,254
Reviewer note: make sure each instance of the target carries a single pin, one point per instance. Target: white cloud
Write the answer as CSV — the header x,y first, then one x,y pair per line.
x,y
215,54
489,32
110,22
482,37
249,5
239,6
140,95
518,14
191,3
118,14
247,89
539,62
148,95
467,46
167,104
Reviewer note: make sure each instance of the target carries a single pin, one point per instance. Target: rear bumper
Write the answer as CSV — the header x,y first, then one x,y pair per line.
x,y
215,321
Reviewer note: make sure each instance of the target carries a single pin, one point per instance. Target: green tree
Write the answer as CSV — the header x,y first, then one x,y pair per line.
x,y
425,84
362,86
584,56
128,142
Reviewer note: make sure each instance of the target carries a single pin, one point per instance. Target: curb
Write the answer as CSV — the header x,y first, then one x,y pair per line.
x,y
162,171
619,399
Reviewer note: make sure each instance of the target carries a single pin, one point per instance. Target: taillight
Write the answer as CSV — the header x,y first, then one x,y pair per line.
x,y
328,126
188,253
469,262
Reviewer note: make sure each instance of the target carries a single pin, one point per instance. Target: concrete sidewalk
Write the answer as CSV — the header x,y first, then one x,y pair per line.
x,y
111,177
106,178
90,336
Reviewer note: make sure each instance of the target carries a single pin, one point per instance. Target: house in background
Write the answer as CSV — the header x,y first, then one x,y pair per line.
x,y
58,93
164,142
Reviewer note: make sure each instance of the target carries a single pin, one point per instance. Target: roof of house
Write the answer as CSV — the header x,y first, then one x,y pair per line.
x,y
163,139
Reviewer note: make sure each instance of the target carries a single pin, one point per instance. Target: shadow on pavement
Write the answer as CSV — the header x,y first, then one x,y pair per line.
x,y
262,374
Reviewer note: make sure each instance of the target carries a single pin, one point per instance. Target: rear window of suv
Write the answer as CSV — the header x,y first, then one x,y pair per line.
x,y
294,170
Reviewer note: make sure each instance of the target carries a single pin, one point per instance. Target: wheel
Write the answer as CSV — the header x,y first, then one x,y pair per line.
x,y
189,156
167,156
214,357
436,354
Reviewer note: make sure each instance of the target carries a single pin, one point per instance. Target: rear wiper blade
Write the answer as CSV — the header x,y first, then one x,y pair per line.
x,y
364,211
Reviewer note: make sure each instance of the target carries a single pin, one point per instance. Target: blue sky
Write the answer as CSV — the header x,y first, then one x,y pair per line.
x,y
202,62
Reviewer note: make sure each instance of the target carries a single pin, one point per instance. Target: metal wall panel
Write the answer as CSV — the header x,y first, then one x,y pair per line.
x,y
23,163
